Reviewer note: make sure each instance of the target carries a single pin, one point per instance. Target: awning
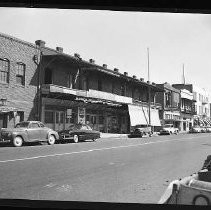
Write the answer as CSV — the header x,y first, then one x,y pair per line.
x,y
137,116
154,116
6,109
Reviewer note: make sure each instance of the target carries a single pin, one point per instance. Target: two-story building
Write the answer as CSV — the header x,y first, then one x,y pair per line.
x,y
74,90
18,83
170,101
40,83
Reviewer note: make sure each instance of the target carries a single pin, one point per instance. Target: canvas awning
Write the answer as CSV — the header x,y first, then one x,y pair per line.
x,y
137,116
154,116
6,109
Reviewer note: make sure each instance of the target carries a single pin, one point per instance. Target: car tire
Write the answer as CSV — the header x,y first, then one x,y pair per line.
x,y
17,141
51,139
76,138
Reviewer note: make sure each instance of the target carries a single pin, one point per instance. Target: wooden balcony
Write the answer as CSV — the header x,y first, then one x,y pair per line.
x,y
50,88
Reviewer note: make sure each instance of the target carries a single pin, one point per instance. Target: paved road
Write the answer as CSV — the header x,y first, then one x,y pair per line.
x,y
109,170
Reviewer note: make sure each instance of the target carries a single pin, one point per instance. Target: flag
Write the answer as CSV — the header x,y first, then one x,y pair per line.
x,y
76,76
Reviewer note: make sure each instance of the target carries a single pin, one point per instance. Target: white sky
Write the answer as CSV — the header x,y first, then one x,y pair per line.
x,y
120,39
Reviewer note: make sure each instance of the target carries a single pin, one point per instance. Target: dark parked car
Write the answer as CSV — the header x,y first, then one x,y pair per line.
x,y
28,131
79,132
140,130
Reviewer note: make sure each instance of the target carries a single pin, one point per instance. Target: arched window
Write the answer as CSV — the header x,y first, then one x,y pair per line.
x,y
4,70
20,73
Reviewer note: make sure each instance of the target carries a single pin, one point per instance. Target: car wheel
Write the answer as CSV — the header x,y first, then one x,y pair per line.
x,y
76,138
18,141
51,140
93,139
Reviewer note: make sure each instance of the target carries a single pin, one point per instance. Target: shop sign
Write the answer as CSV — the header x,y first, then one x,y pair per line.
x,y
69,113
81,115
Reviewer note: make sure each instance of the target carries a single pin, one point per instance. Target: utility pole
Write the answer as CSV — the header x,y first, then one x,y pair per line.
x,y
149,88
183,73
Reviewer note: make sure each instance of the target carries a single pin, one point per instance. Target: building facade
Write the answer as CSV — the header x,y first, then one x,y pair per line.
x,y
40,83
170,101
200,104
18,82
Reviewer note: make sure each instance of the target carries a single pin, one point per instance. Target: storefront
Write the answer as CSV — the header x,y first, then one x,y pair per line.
x,y
105,117
139,115
172,117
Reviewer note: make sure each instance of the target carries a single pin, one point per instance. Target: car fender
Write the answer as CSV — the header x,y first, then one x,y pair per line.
x,y
51,132
23,135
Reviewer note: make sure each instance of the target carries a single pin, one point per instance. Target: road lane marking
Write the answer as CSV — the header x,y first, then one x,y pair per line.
x,y
100,149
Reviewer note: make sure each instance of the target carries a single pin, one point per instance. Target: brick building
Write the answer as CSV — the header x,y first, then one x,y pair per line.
x,y
60,89
18,82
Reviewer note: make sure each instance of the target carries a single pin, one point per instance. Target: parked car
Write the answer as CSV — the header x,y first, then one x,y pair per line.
x,y
195,129
140,131
203,130
208,129
169,129
79,132
28,131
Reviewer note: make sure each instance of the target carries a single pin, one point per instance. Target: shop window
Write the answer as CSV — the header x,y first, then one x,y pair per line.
x,y
49,117
48,76
93,119
101,119
4,70
20,73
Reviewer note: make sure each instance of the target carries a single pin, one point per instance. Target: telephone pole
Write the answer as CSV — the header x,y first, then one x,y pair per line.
x,y
149,88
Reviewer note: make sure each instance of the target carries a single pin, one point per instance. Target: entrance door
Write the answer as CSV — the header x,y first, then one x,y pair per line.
x,y
3,121
59,123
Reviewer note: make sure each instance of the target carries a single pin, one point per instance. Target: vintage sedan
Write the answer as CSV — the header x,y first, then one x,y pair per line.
x,y
195,129
28,131
79,132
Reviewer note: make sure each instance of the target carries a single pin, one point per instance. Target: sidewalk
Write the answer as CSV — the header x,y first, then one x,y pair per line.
x,y
116,135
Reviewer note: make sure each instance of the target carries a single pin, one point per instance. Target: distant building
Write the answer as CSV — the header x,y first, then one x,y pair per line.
x,y
200,104
170,101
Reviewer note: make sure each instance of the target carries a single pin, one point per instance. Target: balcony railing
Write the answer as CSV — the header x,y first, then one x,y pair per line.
x,y
144,103
50,88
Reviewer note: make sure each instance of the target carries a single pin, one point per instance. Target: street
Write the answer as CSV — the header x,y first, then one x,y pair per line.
x,y
131,170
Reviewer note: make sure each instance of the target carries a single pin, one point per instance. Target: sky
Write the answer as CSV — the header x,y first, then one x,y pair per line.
x,y
120,39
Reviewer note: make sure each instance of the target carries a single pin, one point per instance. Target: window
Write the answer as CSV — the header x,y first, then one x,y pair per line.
x,y
20,73
48,76
4,71
49,117
122,90
70,81
34,125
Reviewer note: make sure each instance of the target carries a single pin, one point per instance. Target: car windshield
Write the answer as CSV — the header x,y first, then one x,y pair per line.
x,y
167,126
22,125
75,127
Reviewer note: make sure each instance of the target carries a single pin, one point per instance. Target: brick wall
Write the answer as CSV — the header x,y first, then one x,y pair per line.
x,y
21,97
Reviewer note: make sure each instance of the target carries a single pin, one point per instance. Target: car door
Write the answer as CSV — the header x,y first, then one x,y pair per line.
x,y
43,131
33,132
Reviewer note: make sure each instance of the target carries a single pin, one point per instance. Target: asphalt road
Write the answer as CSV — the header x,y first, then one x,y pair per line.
x,y
108,170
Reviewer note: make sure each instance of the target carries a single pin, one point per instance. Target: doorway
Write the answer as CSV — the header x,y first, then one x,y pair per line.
x,y
59,122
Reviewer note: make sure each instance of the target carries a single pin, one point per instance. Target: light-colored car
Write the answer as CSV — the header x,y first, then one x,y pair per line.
x,y
169,129
208,129
195,129
28,131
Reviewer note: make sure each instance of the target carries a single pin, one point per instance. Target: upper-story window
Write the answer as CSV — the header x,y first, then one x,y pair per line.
x,y
20,73
48,76
123,90
4,70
